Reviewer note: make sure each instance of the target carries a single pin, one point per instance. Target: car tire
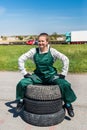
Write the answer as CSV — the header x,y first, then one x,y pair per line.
x,y
43,92
42,107
43,119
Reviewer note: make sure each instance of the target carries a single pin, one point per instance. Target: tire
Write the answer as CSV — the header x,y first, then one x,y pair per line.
x,y
43,92
42,107
45,119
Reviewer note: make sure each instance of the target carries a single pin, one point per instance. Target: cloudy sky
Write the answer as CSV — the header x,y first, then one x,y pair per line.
x,y
25,17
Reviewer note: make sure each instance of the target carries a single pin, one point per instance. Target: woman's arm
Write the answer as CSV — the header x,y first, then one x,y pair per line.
x,y
58,55
23,58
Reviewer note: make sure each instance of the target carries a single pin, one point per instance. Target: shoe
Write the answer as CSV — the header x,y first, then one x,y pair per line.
x,y
69,109
19,106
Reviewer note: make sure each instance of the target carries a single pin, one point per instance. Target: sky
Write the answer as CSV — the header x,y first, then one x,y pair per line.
x,y
32,17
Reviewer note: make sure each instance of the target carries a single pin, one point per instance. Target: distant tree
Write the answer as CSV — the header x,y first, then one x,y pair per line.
x,y
4,37
31,37
54,36
20,37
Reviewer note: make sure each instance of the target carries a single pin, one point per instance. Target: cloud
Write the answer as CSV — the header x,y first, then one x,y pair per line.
x,y
2,10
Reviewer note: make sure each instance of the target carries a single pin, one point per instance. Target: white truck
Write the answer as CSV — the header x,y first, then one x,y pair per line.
x,y
76,37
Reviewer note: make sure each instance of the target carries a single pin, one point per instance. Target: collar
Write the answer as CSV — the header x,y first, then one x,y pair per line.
x,y
44,51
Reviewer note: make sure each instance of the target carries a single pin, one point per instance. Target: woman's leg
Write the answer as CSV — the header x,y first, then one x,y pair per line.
x,y
67,93
21,87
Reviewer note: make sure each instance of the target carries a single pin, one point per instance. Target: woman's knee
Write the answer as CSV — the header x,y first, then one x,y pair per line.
x,y
24,82
63,83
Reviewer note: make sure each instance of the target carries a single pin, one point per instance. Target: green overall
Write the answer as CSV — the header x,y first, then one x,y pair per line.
x,y
45,74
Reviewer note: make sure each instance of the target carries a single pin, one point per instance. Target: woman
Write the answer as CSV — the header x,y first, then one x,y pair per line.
x,y
45,73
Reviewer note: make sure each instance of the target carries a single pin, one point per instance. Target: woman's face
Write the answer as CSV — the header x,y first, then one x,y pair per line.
x,y
42,42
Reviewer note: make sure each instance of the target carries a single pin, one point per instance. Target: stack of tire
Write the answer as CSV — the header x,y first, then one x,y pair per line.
x,y
43,105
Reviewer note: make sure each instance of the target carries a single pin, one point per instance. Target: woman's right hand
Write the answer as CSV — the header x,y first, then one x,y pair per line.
x,y
27,75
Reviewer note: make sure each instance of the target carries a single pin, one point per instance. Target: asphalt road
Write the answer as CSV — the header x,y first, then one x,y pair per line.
x,y
9,120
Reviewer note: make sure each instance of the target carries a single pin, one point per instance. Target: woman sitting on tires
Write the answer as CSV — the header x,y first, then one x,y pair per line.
x,y
45,73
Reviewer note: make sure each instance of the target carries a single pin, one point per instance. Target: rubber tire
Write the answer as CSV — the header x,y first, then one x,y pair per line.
x,y
42,107
45,119
43,92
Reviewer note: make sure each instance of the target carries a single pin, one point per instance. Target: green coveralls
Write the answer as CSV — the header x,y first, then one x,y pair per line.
x,y
45,74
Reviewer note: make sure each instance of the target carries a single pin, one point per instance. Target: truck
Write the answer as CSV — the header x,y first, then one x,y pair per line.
x,y
76,37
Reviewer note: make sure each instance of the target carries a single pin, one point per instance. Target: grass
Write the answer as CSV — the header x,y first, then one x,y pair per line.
x,y
77,55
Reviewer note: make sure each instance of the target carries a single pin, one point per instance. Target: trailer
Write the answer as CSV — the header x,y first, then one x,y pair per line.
x,y
76,37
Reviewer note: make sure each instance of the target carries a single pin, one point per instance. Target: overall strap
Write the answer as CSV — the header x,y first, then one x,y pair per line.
x,y
37,50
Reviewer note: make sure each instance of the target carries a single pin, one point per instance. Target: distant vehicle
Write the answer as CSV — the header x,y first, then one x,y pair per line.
x,y
30,42
76,37
36,42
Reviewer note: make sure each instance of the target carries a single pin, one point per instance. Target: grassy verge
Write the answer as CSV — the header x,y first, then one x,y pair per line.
x,y
77,55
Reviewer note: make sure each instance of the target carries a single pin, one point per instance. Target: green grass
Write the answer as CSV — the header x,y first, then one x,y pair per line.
x,y
77,55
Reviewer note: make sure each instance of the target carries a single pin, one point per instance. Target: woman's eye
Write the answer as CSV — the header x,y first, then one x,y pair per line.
x,y
41,41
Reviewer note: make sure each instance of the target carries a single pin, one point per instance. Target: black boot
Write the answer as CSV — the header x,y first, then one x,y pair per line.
x,y
19,106
69,109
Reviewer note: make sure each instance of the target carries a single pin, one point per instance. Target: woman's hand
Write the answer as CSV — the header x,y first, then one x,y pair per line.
x,y
27,75
61,76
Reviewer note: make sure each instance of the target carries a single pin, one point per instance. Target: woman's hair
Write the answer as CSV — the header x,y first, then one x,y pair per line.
x,y
44,34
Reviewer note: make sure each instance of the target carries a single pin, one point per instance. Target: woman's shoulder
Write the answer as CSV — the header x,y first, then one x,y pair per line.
x,y
32,50
53,49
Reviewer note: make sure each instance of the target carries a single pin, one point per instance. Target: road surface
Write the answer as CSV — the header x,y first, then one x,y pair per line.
x,y
9,120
